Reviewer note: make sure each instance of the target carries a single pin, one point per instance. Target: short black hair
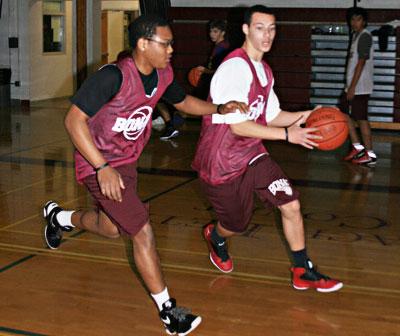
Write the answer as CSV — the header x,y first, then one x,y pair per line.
x,y
256,9
219,24
144,26
357,11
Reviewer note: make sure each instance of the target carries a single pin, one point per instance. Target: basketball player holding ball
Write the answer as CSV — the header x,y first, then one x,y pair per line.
x,y
232,162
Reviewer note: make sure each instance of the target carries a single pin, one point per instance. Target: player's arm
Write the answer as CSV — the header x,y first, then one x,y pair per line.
x,y
286,119
109,179
176,96
195,106
233,79
93,94
76,125
284,126
294,134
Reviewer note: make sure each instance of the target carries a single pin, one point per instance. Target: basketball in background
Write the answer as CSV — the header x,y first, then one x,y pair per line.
x,y
194,76
332,126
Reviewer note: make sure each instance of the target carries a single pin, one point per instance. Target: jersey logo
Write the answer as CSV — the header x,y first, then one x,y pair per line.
x,y
134,126
280,185
256,108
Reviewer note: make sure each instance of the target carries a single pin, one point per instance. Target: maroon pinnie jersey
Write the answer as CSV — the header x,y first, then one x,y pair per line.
x,y
122,127
221,156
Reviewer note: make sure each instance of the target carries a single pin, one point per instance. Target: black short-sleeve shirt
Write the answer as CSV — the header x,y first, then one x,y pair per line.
x,y
105,83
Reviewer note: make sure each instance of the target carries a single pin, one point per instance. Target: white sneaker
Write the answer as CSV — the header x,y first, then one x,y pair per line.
x,y
158,124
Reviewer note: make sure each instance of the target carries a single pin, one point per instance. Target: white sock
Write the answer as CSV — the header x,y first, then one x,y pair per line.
x,y
64,218
160,298
372,154
358,146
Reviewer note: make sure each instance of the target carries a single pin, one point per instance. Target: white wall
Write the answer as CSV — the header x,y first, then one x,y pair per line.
x,y
127,5
115,34
51,75
13,23
389,4
4,22
93,34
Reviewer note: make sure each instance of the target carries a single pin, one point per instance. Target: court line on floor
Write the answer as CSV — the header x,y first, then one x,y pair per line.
x,y
5,157
112,242
243,276
13,331
189,173
4,228
20,261
30,185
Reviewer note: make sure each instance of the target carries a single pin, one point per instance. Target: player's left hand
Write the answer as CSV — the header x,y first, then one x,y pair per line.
x,y
233,106
306,114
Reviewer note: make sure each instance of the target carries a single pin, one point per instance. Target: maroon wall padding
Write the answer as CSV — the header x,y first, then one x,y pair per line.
x,y
290,56
396,116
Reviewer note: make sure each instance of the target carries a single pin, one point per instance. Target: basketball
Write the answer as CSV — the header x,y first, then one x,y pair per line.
x,y
332,126
194,76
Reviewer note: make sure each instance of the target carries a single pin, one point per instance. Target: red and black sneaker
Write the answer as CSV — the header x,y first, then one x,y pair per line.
x,y
307,277
365,159
218,252
353,154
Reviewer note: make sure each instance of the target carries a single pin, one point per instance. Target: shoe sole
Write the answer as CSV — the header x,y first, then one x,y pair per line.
x,y
195,324
223,271
47,242
322,290
45,228
173,135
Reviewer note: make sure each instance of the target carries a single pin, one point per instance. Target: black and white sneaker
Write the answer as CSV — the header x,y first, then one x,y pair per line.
x,y
169,133
54,230
178,320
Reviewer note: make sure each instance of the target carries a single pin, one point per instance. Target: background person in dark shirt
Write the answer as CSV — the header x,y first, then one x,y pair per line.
x,y
110,123
217,34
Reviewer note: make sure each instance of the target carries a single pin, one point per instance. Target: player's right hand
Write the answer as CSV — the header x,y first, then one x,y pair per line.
x,y
110,183
234,106
303,136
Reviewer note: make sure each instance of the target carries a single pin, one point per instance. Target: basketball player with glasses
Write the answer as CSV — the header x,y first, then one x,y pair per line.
x,y
110,123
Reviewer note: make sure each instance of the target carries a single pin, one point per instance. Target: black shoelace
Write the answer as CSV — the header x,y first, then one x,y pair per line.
x,y
312,274
179,313
220,250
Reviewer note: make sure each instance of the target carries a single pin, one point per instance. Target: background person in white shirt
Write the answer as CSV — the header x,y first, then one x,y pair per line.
x,y
359,86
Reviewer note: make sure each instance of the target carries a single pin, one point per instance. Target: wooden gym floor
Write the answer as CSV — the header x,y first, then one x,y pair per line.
x,y
88,286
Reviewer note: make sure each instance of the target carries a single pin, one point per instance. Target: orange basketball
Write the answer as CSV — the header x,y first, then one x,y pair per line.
x,y
194,76
332,126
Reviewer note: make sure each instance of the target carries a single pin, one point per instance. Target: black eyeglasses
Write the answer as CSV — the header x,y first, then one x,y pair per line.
x,y
165,44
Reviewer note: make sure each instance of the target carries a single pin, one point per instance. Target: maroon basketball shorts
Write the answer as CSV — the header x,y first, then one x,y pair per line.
x,y
131,214
359,106
233,201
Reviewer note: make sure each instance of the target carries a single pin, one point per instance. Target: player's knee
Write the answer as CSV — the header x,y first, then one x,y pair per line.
x,y
111,232
145,237
290,208
113,235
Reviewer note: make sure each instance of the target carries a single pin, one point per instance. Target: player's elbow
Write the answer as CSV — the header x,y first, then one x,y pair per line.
x,y
74,118
68,122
